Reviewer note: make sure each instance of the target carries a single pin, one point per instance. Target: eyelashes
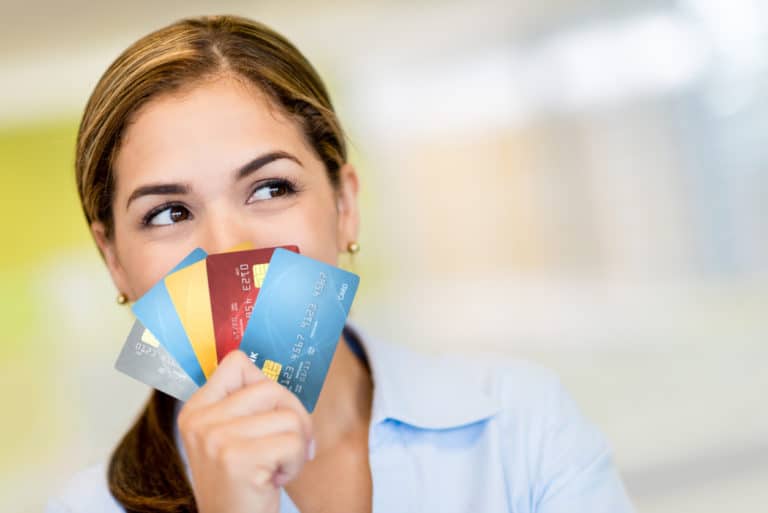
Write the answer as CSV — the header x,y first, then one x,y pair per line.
x,y
165,214
174,212
271,189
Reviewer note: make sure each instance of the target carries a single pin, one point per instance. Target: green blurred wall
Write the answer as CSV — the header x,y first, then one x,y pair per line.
x,y
41,219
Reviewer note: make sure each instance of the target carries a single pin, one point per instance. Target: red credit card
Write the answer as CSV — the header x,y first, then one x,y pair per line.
x,y
234,280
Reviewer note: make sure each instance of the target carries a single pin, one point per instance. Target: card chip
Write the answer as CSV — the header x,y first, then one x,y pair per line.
x,y
148,338
271,369
259,273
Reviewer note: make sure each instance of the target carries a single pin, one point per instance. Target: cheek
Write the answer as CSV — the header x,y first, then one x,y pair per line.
x,y
146,265
311,228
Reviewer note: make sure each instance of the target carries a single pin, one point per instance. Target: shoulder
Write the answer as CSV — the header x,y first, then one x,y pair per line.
x,y
554,457
535,396
537,414
534,413
517,418
87,491
568,461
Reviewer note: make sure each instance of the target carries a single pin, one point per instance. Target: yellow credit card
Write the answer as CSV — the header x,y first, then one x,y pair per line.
x,y
188,289
243,246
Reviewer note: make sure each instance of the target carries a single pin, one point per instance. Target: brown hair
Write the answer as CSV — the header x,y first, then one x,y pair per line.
x,y
181,54
145,471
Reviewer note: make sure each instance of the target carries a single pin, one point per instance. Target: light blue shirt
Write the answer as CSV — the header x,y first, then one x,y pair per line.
x,y
449,434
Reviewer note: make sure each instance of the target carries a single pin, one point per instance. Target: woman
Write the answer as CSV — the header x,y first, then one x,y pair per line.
x,y
214,131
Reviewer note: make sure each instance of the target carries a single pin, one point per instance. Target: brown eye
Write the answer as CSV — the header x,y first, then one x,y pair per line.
x,y
169,215
179,214
274,189
278,190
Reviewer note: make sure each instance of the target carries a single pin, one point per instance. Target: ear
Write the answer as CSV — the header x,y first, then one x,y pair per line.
x,y
109,253
347,208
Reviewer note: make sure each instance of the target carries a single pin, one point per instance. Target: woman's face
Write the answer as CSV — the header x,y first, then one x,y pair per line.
x,y
214,167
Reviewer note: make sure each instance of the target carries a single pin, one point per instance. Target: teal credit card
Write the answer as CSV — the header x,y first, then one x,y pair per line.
x,y
297,320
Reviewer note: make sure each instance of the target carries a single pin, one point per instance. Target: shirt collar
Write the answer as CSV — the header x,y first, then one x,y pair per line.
x,y
429,392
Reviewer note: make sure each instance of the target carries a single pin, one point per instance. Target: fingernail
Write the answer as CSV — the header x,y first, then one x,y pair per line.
x,y
311,448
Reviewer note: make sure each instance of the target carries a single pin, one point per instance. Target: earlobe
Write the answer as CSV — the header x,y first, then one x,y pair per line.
x,y
109,253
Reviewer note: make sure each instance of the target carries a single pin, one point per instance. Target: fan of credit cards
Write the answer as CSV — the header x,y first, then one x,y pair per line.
x,y
286,311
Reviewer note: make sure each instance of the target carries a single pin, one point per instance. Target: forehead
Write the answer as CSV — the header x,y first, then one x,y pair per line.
x,y
214,124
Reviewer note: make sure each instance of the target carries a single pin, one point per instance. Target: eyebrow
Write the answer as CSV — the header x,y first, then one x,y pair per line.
x,y
157,189
261,161
242,172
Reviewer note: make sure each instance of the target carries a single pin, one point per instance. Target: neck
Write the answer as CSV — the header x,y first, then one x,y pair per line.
x,y
344,406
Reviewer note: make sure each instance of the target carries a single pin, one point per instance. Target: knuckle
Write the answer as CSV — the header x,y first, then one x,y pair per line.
x,y
240,357
295,443
234,359
189,429
272,386
291,419
303,420
232,355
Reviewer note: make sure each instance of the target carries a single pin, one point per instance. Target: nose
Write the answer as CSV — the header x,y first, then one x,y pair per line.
x,y
223,230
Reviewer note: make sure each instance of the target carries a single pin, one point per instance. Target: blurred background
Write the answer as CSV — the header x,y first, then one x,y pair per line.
x,y
581,183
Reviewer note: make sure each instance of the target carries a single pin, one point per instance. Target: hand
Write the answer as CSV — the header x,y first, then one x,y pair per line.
x,y
245,436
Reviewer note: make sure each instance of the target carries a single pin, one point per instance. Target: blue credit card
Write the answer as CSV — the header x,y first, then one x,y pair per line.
x,y
297,321
157,313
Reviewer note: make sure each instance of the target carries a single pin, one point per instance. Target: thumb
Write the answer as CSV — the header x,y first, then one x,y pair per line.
x,y
234,372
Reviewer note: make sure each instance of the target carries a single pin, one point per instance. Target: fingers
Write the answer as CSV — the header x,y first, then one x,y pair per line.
x,y
261,460
211,439
261,396
241,427
235,371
